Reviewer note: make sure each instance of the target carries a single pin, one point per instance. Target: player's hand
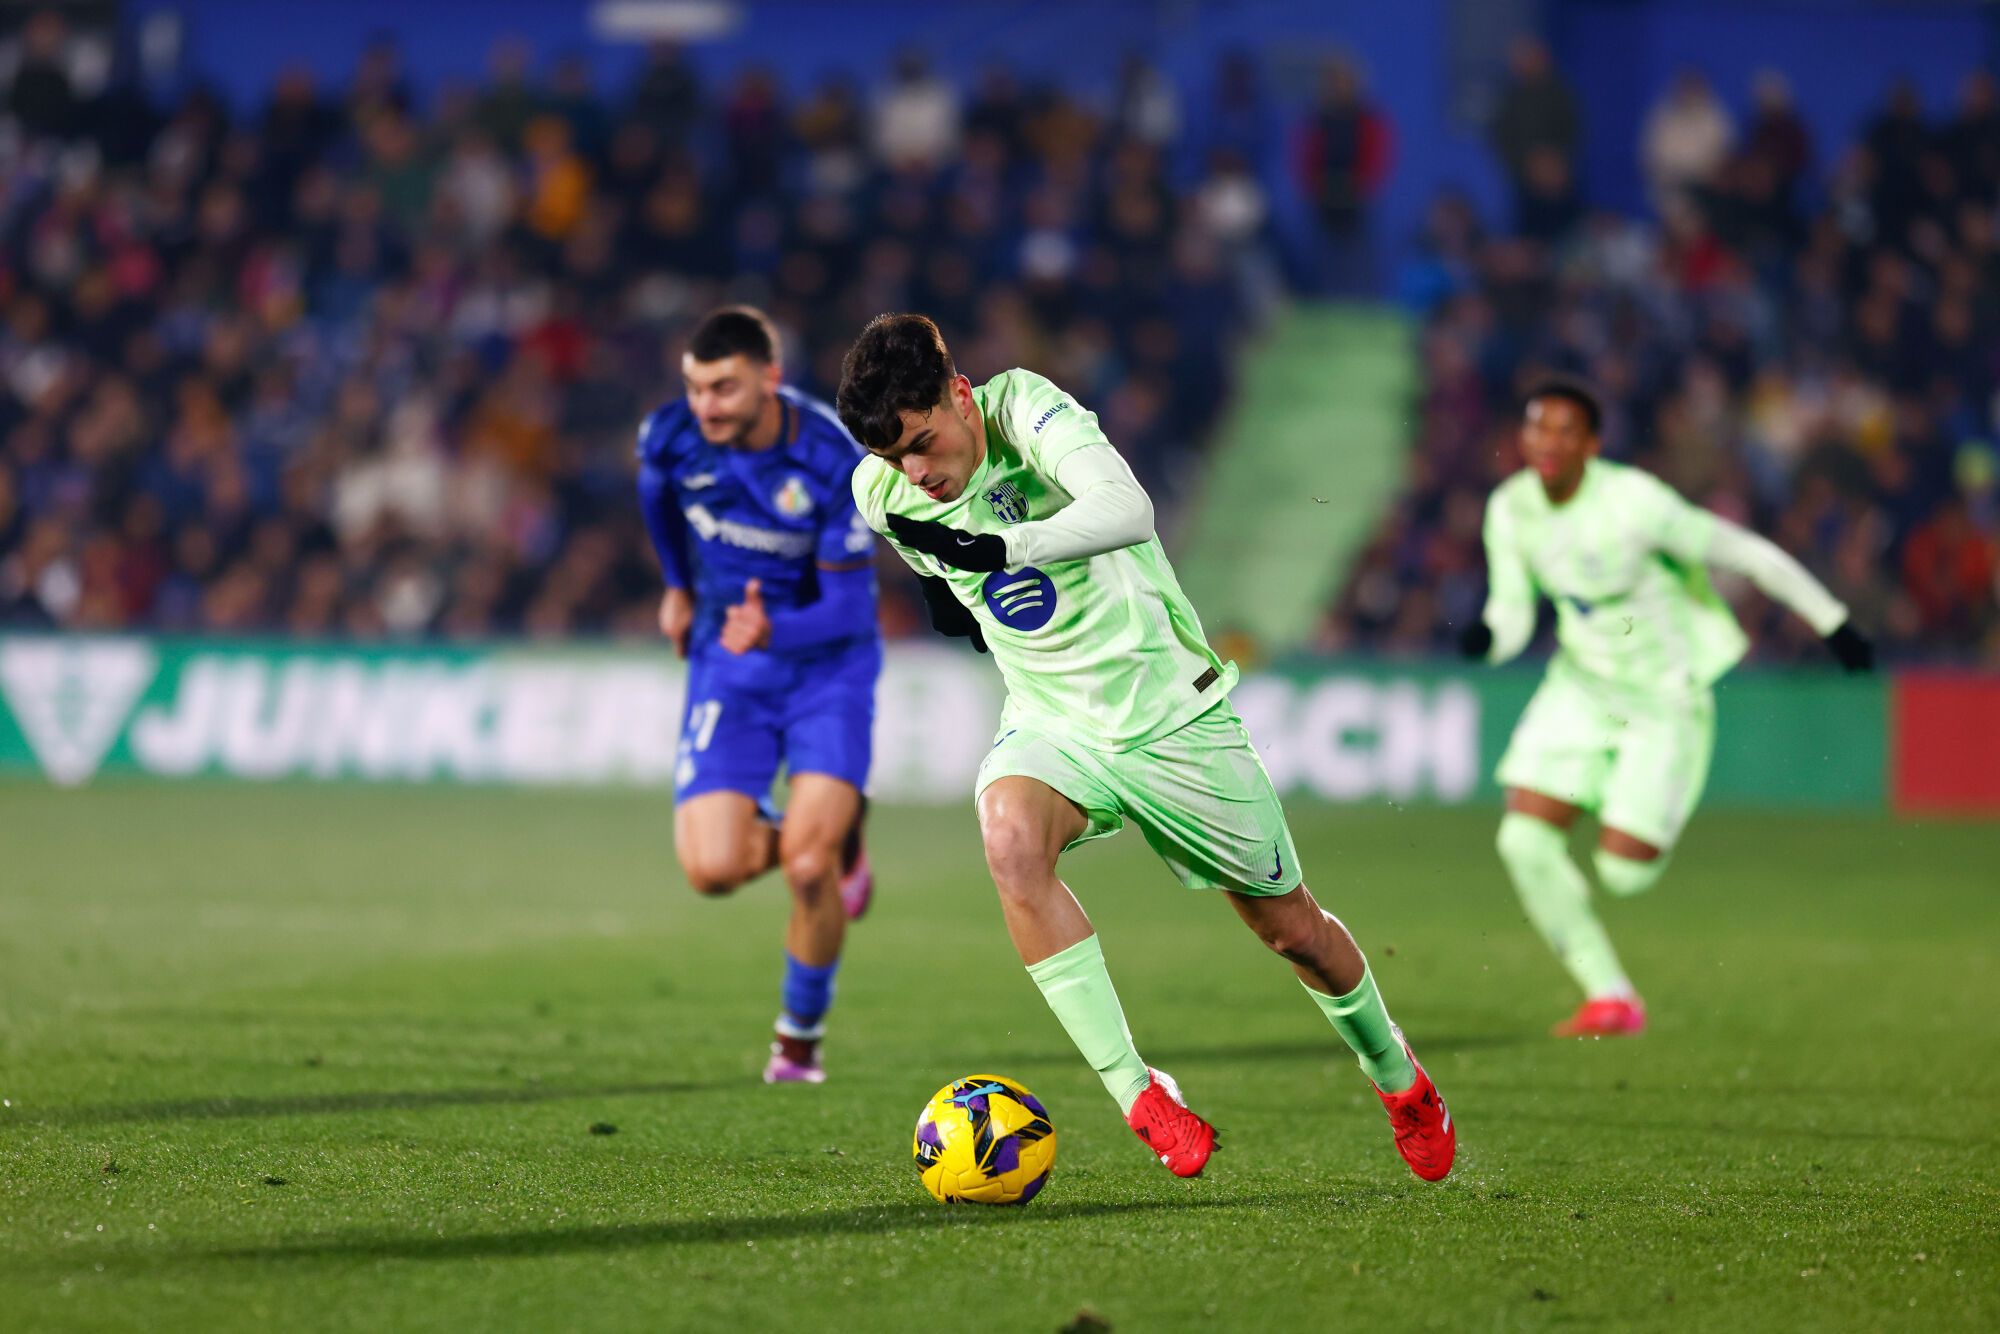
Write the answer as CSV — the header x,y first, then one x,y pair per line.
x,y
983,552
948,615
746,626
676,616
1854,650
1475,640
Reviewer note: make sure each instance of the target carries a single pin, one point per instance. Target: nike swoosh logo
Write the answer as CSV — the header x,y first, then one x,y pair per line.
x,y
1280,872
966,540
698,481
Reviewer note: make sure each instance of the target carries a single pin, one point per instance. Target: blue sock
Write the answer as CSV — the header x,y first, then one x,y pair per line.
x,y
807,994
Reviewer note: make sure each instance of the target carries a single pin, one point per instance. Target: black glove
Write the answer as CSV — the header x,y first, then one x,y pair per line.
x,y
1853,650
1475,640
949,616
983,552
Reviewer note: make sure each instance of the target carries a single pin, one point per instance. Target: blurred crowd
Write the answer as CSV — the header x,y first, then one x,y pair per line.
x,y
359,364
1805,338
362,363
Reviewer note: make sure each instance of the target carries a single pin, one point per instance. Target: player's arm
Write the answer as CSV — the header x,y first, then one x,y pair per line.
x,y
1108,509
845,607
665,523
1508,621
667,527
1697,536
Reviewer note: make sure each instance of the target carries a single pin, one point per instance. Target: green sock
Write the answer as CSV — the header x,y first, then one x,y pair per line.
x,y
1077,987
1557,900
1363,1022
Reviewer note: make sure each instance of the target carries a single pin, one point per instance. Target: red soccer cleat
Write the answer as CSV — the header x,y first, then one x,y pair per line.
x,y
1604,1017
1177,1137
1425,1135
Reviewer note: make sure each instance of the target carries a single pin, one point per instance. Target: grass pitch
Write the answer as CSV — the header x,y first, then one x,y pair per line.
x,y
333,1059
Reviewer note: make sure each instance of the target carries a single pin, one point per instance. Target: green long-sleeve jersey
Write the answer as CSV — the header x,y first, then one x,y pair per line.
x,y
1625,560
1106,649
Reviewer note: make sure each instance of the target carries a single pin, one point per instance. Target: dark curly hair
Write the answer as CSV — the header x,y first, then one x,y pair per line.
x,y
899,364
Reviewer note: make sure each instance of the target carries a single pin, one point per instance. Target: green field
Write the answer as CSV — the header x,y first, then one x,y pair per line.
x,y
330,1059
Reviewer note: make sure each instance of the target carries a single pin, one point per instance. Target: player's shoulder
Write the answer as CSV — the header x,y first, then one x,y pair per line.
x,y
1628,485
1515,497
1025,401
875,484
823,444
663,429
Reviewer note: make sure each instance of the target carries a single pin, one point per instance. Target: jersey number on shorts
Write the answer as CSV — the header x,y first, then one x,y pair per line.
x,y
700,730
702,719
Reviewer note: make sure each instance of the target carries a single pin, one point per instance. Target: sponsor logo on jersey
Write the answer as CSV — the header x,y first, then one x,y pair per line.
x,y
793,500
1043,420
748,536
1022,599
1009,505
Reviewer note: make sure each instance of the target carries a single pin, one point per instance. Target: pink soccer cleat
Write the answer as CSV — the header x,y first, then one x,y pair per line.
x,y
857,886
794,1061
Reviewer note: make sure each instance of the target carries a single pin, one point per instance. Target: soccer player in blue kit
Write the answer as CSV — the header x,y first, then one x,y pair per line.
x,y
746,489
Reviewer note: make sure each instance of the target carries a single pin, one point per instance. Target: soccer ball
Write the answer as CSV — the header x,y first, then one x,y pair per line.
x,y
984,1139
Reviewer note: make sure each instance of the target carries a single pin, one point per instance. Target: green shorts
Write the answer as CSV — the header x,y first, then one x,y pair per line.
x,y
1200,795
1638,763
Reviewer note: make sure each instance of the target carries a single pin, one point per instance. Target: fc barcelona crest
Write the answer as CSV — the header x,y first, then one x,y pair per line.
x,y
1009,505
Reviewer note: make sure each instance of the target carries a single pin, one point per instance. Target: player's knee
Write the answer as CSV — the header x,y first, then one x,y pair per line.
x,y
1295,937
1626,876
1017,855
1524,840
810,869
711,876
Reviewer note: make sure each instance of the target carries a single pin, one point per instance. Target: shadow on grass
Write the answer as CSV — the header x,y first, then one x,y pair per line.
x,y
864,1221
313,1104
1330,1049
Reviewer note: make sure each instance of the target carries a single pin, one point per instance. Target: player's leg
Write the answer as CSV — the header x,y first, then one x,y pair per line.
x,y
728,756
1658,778
1026,824
1556,766
1206,804
818,815
828,723
1534,847
1335,973
723,841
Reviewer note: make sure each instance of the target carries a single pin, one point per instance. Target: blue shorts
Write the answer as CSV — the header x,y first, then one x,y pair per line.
x,y
814,712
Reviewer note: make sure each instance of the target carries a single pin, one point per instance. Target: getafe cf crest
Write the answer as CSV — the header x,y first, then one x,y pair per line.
x,y
793,500
1009,505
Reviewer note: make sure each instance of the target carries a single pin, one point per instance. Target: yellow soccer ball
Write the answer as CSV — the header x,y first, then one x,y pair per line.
x,y
984,1139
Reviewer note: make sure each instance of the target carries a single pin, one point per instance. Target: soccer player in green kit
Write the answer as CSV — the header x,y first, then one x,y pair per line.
x,y
1623,724
1034,539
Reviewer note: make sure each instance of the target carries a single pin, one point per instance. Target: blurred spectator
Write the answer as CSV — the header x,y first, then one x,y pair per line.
x,y
1343,158
1688,135
916,122
41,98
1778,140
1536,118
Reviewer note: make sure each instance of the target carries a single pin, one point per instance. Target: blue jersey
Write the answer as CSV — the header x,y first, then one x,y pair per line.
x,y
720,517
